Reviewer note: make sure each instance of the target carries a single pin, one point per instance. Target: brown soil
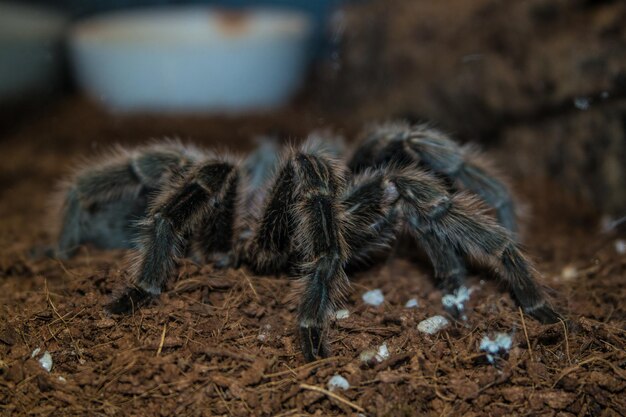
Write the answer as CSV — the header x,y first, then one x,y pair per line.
x,y
222,342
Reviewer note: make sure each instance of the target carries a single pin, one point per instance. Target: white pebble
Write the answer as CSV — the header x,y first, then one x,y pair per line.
x,y
342,314
499,345
620,246
582,103
35,352
368,356
433,324
374,297
412,303
457,299
373,356
46,361
338,382
264,333
383,353
61,379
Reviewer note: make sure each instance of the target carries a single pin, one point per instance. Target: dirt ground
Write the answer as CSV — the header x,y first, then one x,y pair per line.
x,y
223,342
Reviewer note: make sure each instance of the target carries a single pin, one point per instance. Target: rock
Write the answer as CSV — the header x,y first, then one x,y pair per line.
x,y
373,297
433,324
338,382
342,314
412,303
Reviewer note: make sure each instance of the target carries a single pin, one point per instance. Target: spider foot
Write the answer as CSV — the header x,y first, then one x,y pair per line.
x,y
130,300
313,344
543,313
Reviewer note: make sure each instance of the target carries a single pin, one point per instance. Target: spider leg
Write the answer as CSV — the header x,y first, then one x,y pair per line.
x,y
268,246
179,209
257,171
448,266
260,165
215,238
320,235
113,181
462,166
302,222
372,221
476,175
457,221
103,200
465,166
449,227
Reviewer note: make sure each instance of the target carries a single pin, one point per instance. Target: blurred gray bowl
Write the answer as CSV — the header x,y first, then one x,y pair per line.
x,y
191,58
30,51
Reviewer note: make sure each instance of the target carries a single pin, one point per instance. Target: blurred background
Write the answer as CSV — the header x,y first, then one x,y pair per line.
x,y
539,84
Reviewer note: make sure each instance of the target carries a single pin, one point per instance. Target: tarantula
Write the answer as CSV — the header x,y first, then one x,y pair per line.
x,y
306,213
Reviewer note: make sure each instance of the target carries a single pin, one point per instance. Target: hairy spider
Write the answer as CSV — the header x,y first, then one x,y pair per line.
x,y
306,213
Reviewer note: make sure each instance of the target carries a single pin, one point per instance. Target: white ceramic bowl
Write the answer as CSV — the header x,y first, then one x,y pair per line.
x,y
191,58
30,51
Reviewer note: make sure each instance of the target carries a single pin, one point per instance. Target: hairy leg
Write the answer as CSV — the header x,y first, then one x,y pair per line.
x,y
179,209
372,220
102,201
302,223
267,250
477,175
457,221
320,229
449,227
114,181
404,145
448,265
214,240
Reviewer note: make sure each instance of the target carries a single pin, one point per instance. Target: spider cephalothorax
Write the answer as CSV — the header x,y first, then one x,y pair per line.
x,y
307,213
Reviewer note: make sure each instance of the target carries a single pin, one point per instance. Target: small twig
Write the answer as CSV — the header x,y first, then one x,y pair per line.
x,y
452,349
222,397
291,370
54,309
158,352
503,378
443,397
256,295
308,365
292,413
332,395
619,372
64,316
530,349
123,370
67,271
